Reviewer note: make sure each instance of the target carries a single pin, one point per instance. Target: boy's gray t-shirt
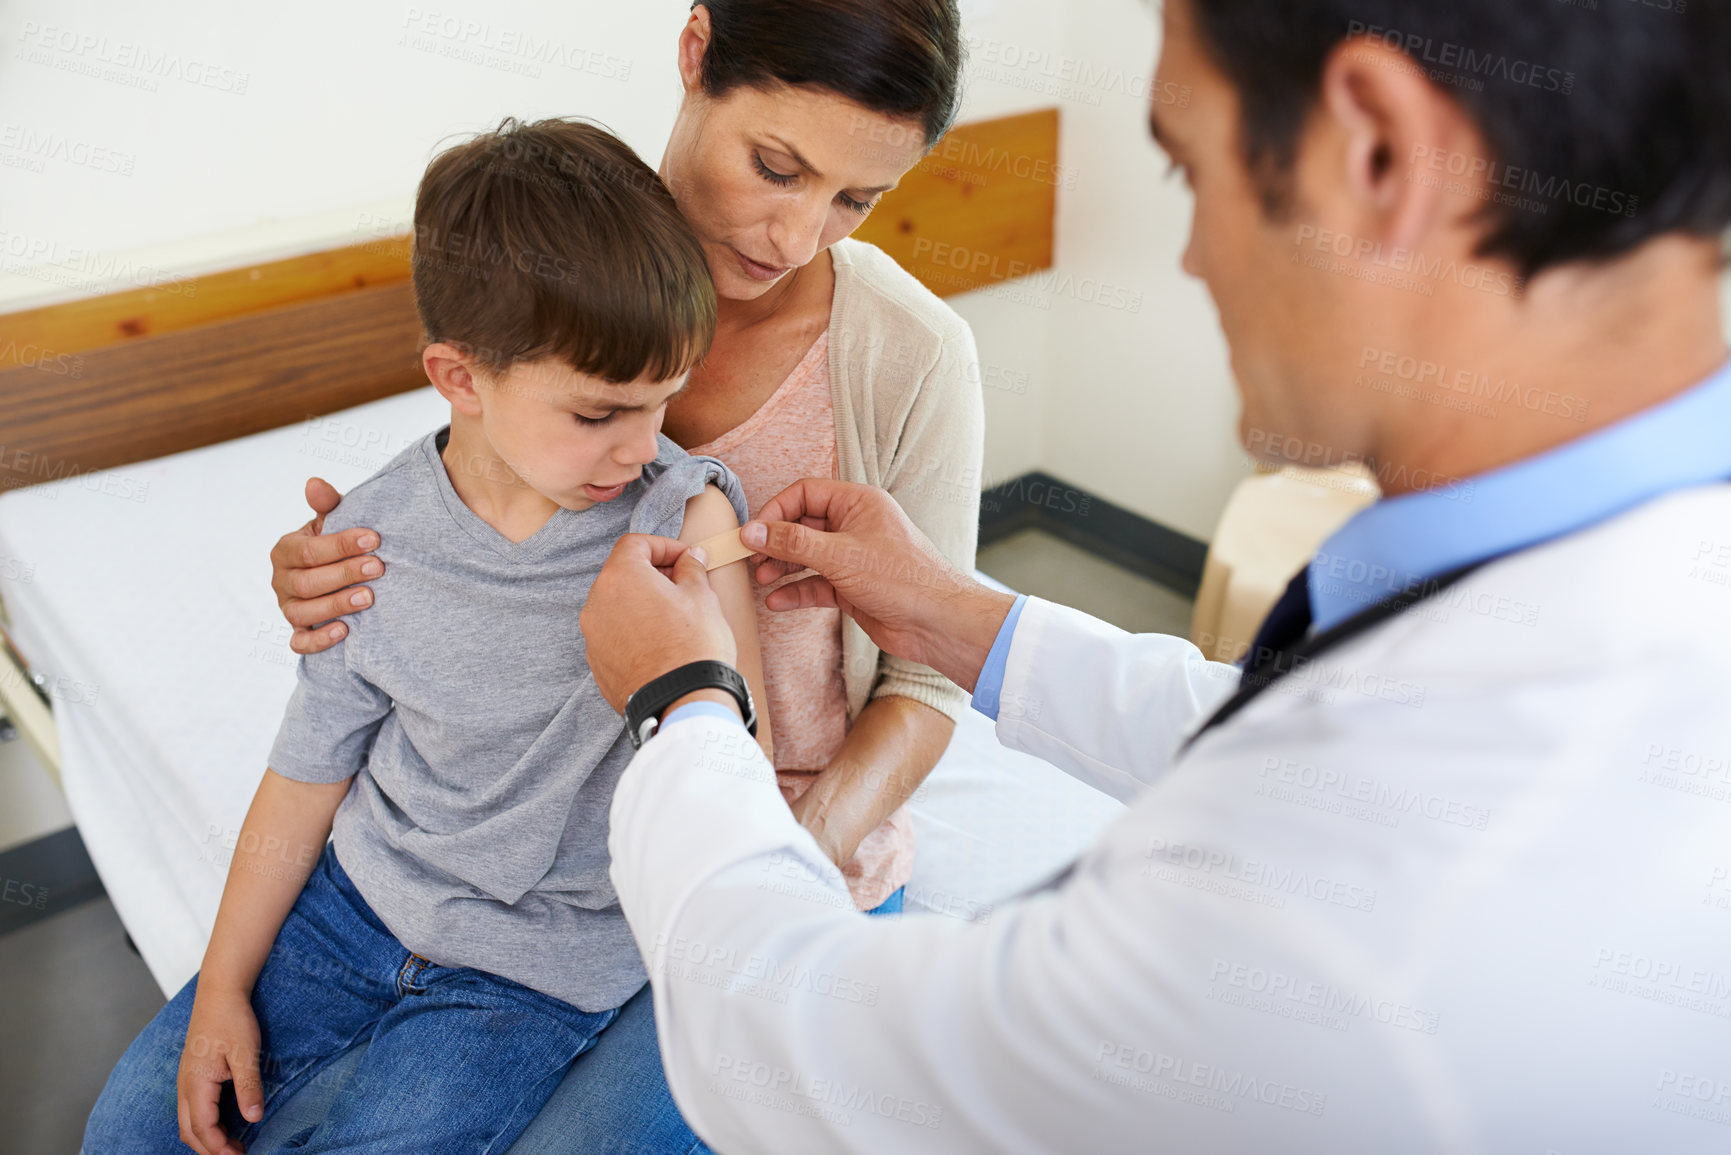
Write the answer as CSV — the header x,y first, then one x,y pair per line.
x,y
484,759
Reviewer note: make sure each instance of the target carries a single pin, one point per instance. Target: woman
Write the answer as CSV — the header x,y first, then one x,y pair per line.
x,y
830,361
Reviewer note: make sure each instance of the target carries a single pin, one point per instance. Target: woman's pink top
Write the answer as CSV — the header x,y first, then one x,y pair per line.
x,y
790,437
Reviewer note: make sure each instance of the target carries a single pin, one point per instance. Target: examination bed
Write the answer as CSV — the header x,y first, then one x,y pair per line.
x,y
142,601
135,527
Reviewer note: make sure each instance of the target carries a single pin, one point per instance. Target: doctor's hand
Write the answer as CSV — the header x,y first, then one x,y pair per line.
x,y
875,564
650,611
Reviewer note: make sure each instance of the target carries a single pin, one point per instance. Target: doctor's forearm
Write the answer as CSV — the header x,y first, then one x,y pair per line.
x,y
892,747
958,630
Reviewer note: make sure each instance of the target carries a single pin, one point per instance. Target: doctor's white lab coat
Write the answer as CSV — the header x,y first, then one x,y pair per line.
x,y
1462,885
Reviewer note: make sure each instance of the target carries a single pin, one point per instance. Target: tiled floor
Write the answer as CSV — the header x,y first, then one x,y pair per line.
x,y
1034,562
72,996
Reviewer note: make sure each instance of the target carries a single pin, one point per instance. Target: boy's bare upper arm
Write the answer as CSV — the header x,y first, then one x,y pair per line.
x,y
706,515
302,803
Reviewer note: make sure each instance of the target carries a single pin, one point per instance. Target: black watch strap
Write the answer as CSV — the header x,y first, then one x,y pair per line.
x,y
643,708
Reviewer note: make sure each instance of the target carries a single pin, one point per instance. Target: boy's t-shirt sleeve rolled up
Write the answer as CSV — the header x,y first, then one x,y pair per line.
x,y
675,478
331,720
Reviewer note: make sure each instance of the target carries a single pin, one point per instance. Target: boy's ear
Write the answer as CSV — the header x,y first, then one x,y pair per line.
x,y
453,374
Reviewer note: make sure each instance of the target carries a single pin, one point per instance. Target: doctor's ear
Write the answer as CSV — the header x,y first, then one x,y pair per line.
x,y
1379,117
453,373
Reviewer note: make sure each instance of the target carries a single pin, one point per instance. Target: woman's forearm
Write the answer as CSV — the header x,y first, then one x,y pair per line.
x,y
279,844
893,745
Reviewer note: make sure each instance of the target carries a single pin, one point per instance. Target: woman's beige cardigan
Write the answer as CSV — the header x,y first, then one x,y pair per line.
x,y
909,417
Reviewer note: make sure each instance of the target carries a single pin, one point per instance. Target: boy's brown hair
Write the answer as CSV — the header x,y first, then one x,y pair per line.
x,y
554,239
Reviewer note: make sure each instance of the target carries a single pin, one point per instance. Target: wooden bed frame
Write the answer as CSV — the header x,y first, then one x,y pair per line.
x,y
105,381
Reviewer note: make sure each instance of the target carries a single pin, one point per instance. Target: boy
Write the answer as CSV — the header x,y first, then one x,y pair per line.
x,y
462,917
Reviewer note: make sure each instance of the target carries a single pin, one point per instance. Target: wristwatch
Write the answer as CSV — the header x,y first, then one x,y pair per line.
x,y
643,708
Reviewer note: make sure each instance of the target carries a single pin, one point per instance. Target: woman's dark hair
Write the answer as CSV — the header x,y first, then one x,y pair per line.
x,y
553,239
1610,123
901,58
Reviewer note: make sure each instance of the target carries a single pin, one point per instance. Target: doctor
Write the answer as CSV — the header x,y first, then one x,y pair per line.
x,y
1447,868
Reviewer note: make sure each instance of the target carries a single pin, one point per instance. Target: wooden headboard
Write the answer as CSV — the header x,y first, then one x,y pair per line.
x,y
101,382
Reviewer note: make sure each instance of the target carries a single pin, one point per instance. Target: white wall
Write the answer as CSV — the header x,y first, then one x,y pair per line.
x,y
312,121
318,111
1160,437
31,804
139,143
1015,347
1135,401
1108,370
142,143
214,133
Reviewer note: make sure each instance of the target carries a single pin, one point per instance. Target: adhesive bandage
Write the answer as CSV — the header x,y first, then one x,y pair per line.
x,y
724,549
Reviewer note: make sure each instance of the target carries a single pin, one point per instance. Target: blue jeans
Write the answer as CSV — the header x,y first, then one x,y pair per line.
x,y
455,1059
615,1098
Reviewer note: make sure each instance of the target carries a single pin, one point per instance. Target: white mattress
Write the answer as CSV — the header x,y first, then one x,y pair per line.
x,y
144,594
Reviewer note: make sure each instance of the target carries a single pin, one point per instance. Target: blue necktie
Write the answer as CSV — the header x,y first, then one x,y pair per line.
x,y
1285,625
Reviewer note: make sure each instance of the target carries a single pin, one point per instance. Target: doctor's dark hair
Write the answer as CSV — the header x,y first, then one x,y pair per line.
x,y
901,58
553,239
1615,116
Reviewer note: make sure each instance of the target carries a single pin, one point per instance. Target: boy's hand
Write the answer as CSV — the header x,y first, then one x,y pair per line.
x,y
222,1041
650,611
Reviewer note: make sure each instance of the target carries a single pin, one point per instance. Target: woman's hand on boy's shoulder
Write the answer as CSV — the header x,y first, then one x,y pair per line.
x,y
317,576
